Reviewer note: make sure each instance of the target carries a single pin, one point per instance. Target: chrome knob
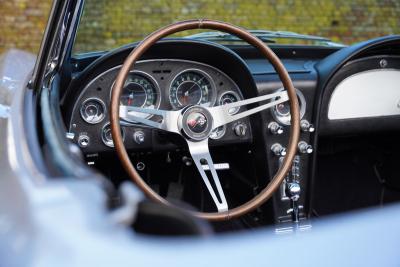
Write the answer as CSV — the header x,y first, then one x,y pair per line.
x,y
278,150
293,190
275,128
83,140
138,137
305,148
70,136
140,166
306,126
240,129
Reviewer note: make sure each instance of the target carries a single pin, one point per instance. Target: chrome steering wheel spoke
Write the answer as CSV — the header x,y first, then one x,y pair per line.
x,y
195,124
222,116
169,119
201,156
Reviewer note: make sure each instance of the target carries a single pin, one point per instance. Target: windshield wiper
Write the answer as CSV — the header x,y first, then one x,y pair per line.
x,y
264,35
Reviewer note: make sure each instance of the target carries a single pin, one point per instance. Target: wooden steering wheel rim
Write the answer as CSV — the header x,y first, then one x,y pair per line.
x,y
128,65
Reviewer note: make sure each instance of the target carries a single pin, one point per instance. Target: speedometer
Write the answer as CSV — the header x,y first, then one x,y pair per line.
x,y
141,91
191,87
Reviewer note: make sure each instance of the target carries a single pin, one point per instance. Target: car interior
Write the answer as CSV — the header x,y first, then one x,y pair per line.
x,y
343,159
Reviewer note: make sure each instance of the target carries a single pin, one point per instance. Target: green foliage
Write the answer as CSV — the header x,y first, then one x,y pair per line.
x,y
107,24
111,23
22,23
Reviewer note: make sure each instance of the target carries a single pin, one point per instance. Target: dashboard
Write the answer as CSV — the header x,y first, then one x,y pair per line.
x,y
340,91
175,74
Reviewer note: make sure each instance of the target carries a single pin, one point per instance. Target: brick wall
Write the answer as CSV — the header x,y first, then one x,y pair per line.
x,y
22,23
115,22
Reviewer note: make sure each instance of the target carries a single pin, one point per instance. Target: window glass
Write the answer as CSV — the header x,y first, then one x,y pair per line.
x,y
107,24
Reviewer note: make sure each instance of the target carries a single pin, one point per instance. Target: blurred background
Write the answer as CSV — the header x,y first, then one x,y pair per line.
x,y
111,23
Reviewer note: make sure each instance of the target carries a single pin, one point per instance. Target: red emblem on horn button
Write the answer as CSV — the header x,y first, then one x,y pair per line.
x,y
197,122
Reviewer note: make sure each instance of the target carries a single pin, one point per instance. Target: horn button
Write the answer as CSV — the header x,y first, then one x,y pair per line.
x,y
196,123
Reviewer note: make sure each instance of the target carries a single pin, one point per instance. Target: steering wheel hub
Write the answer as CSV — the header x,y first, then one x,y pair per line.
x,y
196,123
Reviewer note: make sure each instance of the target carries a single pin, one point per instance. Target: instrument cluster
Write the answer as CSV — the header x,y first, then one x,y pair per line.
x,y
153,84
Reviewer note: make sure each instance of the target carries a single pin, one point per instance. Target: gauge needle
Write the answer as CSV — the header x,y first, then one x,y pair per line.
x,y
186,97
130,99
194,84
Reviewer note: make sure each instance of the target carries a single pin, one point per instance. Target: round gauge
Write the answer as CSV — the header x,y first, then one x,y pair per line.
x,y
218,133
191,87
106,135
283,109
227,98
93,110
281,112
141,91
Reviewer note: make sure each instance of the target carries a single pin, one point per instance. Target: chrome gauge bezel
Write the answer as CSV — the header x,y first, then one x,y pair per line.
x,y
236,109
285,119
155,83
103,115
106,142
213,89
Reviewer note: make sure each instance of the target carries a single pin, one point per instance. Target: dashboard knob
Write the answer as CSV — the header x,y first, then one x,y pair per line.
x,y
70,136
306,126
138,137
293,190
140,166
278,150
83,140
275,128
305,148
240,129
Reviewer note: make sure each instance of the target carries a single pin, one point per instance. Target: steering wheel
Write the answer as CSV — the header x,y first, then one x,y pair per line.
x,y
195,123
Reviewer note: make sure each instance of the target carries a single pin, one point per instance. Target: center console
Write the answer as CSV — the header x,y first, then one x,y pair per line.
x,y
290,202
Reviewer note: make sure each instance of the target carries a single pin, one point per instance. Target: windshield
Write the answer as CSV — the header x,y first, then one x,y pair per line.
x,y
107,24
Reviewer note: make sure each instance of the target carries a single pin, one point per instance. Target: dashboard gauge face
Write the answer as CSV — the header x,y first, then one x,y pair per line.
x,y
106,135
140,91
281,112
191,87
283,109
227,98
92,110
218,133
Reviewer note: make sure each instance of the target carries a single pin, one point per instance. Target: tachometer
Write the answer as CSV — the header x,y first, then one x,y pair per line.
x,y
191,87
